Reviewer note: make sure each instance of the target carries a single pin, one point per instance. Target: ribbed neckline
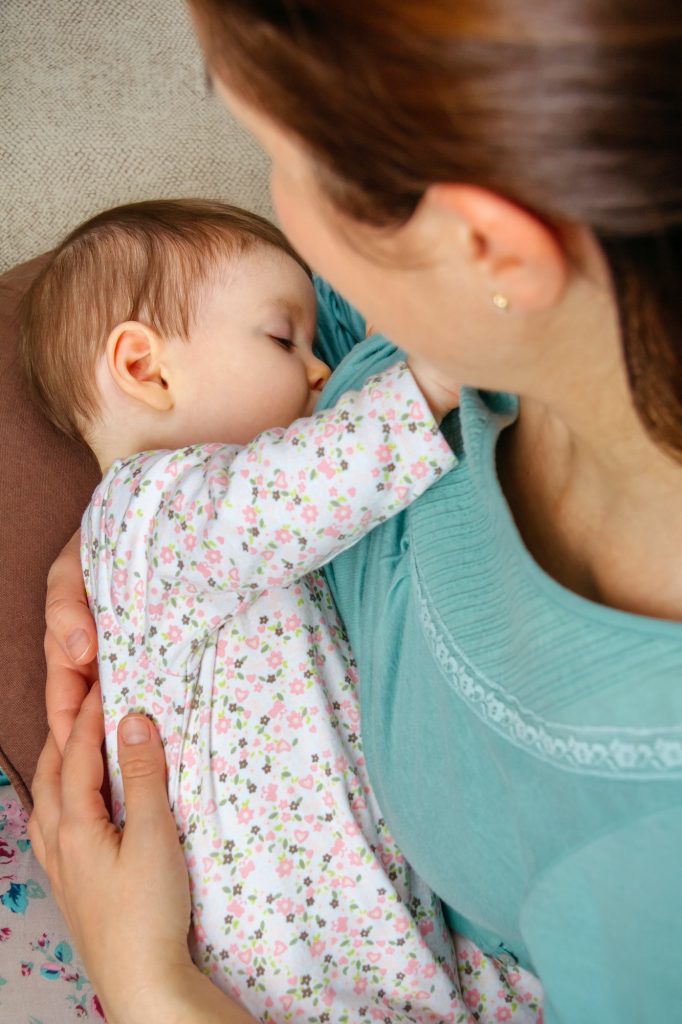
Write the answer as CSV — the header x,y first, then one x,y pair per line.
x,y
482,419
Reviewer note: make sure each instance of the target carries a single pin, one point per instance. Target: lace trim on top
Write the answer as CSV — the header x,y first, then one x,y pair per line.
x,y
628,752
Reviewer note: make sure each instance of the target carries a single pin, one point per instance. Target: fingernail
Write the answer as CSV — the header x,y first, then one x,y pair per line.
x,y
77,644
135,730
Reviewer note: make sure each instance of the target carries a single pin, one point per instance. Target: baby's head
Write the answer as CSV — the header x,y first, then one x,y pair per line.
x,y
167,323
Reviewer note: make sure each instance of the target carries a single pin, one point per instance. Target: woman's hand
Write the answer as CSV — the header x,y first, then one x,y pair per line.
x,y
70,642
124,894
439,390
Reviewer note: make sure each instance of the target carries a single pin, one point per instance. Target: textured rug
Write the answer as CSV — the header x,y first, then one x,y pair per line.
x,y
104,102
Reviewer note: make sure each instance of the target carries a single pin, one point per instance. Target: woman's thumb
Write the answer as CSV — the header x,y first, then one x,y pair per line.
x,y
143,770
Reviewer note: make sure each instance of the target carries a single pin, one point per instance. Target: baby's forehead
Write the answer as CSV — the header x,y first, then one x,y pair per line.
x,y
259,277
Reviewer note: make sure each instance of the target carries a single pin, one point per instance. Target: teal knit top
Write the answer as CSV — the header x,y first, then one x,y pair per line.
x,y
525,744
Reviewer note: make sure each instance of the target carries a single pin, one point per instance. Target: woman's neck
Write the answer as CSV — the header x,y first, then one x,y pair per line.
x,y
597,502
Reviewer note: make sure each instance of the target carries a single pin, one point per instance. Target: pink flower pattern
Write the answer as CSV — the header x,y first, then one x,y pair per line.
x,y
223,630
496,990
41,977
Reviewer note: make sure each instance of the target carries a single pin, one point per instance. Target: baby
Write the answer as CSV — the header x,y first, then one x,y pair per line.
x,y
176,340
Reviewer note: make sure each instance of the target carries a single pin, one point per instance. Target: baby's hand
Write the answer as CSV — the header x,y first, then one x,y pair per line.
x,y
441,392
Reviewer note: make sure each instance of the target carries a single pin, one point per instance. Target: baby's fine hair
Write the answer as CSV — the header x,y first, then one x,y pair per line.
x,y
149,261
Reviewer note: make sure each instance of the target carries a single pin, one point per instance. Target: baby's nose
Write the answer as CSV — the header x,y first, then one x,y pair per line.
x,y
318,374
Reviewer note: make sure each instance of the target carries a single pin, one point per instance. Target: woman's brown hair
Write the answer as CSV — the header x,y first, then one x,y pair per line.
x,y
571,108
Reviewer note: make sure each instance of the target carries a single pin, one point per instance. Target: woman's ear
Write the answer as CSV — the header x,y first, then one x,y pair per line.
x,y
515,254
135,360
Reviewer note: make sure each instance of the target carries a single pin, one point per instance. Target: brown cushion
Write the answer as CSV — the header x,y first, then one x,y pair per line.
x,y
45,483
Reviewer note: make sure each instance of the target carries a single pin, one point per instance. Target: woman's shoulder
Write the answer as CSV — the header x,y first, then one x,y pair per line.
x,y
339,325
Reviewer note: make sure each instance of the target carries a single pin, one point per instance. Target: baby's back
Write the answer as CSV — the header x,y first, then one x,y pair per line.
x,y
299,894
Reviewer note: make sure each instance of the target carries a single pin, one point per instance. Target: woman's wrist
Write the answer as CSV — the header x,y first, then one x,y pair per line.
x,y
178,995
182,995
441,393
192,998
160,997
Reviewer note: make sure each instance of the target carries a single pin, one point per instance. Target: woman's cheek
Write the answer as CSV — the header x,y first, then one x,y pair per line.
x,y
300,220
283,202
308,223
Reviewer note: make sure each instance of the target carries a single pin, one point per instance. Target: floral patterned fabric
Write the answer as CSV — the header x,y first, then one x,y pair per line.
x,y
41,978
43,982
200,567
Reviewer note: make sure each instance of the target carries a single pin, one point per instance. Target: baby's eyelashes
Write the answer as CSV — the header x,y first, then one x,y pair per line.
x,y
286,343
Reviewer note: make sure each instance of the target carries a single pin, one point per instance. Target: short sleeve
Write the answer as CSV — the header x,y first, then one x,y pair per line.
x,y
604,927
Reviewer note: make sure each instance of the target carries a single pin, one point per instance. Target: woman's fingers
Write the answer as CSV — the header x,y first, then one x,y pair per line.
x,y
150,849
67,687
70,643
124,895
83,767
150,836
142,762
66,611
43,825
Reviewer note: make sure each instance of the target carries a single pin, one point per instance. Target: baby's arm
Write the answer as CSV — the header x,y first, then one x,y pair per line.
x,y
207,525
293,499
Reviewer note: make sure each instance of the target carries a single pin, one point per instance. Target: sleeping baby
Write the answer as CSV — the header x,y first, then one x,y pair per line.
x,y
176,339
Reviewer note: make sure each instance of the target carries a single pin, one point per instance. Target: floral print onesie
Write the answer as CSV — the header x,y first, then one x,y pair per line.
x,y
201,566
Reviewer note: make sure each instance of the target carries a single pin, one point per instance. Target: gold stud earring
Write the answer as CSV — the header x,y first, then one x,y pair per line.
x,y
500,301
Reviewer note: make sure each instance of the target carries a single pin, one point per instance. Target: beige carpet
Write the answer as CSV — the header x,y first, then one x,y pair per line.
x,y
104,102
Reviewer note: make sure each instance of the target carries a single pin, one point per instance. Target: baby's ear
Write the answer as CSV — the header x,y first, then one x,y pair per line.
x,y
135,360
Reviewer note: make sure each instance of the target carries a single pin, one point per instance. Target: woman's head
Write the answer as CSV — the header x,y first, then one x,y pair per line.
x,y
569,109
105,322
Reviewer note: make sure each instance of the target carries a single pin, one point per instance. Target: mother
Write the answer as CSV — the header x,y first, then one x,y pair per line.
x,y
496,185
